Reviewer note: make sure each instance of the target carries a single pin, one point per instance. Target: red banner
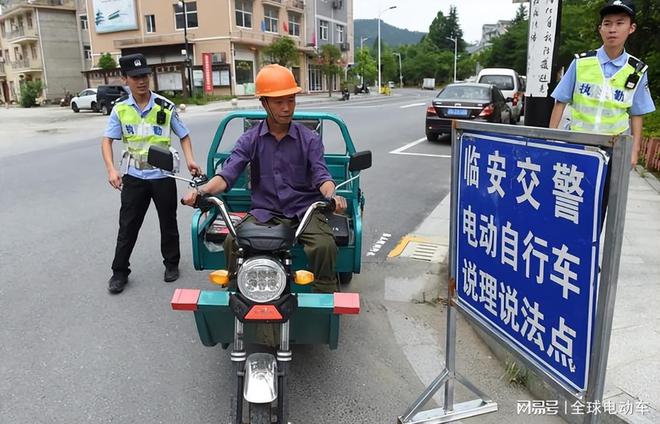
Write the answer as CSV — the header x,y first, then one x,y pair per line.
x,y
208,72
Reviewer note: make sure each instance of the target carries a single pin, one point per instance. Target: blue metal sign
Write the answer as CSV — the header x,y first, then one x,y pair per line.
x,y
528,226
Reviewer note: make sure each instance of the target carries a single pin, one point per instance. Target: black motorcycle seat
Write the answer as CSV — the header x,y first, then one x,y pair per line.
x,y
264,237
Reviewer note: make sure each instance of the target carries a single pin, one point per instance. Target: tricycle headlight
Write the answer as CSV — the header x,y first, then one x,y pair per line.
x,y
261,279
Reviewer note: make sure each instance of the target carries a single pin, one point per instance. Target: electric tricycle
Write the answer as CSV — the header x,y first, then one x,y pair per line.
x,y
271,293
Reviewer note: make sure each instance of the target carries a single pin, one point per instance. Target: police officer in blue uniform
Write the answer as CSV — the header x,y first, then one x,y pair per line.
x,y
623,82
142,119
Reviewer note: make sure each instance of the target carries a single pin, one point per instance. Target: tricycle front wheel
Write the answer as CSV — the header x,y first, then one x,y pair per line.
x,y
345,277
260,413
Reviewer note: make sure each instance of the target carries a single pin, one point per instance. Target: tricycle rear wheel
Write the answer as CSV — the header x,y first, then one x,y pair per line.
x,y
260,413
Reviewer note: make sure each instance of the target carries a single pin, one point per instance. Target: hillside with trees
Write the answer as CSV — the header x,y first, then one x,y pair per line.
x,y
391,35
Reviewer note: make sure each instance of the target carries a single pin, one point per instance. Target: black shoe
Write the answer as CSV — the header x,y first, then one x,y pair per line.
x,y
116,283
171,273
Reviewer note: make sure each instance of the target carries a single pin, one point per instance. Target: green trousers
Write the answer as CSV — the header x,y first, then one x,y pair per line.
x,y
318,244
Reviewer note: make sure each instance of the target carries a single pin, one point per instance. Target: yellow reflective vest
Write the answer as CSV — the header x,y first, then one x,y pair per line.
x,y
138,132
601,104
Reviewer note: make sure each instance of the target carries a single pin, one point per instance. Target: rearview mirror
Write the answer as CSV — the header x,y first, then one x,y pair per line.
x,y
160,157
360,161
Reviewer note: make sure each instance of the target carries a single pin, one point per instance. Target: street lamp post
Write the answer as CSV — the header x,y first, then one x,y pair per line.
x,y
400,74
455,40
362,40
379,14
182,3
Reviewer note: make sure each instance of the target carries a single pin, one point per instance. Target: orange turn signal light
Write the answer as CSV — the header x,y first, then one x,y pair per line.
x,y
303,277
263,312
220,277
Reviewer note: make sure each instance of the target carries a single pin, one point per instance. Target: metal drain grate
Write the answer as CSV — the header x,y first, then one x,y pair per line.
x,y
424,251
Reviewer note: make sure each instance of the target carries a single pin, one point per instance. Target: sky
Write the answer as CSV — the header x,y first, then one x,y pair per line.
x,y
417,15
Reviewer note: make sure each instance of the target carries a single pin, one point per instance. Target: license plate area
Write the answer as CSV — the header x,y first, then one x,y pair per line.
x,y
457,113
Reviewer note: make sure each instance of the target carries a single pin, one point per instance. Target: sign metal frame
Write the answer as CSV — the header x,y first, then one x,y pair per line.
x,y
620,147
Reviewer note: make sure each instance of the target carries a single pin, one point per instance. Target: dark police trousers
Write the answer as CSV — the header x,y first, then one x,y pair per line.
x,y
318,244
136,195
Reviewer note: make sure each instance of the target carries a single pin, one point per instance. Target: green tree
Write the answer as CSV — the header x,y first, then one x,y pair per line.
x,y
30,90
330,60
282,51
365,65
442,28
106,62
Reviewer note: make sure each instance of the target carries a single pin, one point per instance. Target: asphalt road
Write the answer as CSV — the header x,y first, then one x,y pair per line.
x,y
72,353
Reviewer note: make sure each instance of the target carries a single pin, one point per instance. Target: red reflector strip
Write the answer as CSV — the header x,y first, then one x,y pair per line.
x,y
263,312
346,303
185,299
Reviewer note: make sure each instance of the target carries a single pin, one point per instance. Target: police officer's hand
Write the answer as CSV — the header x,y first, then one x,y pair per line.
x,y
114,179
190,198
633,159
340,204
194,169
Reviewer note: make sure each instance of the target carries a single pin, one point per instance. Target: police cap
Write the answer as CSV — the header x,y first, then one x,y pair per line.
x,y
134,65
618,6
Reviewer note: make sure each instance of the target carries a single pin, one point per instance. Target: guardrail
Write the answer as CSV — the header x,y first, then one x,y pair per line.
x,y
650,153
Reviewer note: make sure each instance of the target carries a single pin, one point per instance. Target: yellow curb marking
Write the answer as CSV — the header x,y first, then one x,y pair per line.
x,y
401,246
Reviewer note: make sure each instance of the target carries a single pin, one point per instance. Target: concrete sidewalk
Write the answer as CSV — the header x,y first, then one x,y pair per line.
x,y
633,370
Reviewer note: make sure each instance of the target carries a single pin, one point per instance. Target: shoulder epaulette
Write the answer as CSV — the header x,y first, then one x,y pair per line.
x,y
639,66
164,103
585,54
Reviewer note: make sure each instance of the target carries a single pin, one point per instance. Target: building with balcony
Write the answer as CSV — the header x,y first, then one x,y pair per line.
x,y
329,22
39,40
232,33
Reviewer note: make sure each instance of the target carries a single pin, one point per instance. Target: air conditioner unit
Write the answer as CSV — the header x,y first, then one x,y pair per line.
x,y
337,4
344,46
219,57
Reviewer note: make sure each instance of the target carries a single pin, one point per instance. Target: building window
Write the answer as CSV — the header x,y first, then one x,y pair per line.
x,y
294,24
28,19
244,13
83,22
340,33
150,23
270,19
33,51
87,51
188,21
323,30
315,77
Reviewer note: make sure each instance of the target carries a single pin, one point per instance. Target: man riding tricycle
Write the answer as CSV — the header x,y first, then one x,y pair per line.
x,y
299,209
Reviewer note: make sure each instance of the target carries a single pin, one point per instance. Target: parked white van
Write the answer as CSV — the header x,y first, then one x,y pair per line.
x,y
511,85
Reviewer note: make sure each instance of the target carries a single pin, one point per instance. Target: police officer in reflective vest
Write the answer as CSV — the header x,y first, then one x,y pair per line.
x,y
141,119
607,88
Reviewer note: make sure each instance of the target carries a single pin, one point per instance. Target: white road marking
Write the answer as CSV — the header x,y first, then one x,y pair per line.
x,y
379,244
407,146
411,105
400,150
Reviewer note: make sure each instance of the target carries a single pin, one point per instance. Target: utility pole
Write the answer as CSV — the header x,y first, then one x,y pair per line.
x,y
182,3
400,72
379,42
455,40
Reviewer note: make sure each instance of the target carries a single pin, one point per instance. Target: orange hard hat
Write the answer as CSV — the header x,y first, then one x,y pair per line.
x,y
275,81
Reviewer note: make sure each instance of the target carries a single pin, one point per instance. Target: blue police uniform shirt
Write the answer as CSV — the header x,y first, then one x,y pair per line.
x,y
642,100
113,131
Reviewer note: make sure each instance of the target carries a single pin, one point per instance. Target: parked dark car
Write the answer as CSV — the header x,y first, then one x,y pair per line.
x,y
106,95
482,102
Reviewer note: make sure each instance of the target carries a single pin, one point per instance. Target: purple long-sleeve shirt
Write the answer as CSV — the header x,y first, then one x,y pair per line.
x,y
286,174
